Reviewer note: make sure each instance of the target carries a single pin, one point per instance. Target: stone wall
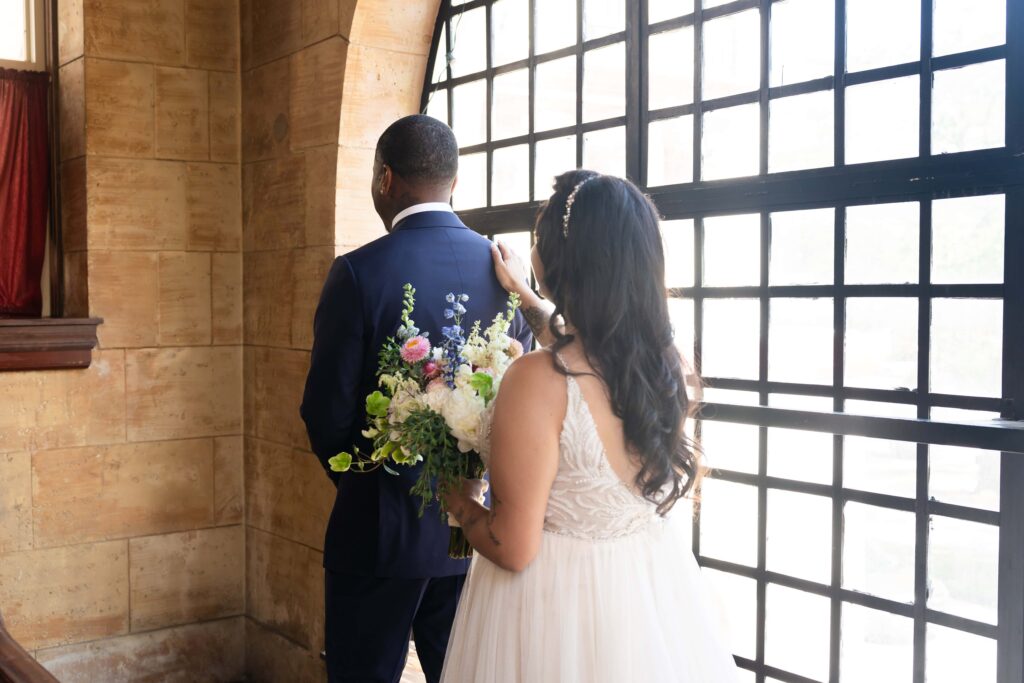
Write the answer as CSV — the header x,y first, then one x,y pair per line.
x,y
121,487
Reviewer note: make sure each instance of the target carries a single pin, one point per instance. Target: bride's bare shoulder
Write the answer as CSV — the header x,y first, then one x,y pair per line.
x,y
531,375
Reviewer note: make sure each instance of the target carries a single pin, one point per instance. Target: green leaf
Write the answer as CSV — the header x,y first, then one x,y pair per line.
x,y
377,404
341,462
388,469
483,384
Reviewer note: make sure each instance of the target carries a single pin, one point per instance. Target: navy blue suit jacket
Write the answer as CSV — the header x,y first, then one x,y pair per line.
x,y
375,528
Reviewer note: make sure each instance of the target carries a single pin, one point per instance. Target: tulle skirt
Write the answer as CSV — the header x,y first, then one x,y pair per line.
x,y
629,609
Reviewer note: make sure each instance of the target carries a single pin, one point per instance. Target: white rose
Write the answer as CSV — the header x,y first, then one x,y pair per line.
x,y
462,413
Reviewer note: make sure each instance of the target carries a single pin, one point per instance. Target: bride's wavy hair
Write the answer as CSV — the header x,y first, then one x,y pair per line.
x,y
604,269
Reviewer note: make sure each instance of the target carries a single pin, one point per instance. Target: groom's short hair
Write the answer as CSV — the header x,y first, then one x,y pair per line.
x,y
421,150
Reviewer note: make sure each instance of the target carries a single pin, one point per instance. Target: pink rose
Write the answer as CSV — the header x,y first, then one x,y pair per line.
x,y
515,348
415,349
436,385
430,369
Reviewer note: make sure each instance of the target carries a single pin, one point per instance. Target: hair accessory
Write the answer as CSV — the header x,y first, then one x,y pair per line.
x,y
569,202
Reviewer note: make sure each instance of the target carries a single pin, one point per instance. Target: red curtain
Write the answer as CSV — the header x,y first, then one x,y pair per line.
x,y
24,190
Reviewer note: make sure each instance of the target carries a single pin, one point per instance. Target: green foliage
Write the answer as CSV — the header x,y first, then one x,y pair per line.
x,y
483,384
342,462
377,404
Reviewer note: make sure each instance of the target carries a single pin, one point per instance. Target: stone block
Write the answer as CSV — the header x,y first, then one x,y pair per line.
x,y
280,376
308,274
71,100
182,113
214,207
124,291
185,299
382,86
268,297
186,577
287,492
142,30
317,74
274,203
70,30
211,34
227,298
118,108
211,652
265,122
276,29
184,392
320,20
321,193
15,502
285,587
356,221
228,480
225,116
73,207
105,492
137,204
395,25
272,658
65,595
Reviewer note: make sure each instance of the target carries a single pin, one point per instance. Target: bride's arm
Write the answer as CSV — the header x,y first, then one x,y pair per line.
x,y
512,275
524,460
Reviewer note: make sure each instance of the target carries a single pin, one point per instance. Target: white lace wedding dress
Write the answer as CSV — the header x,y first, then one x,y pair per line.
x,y
614,594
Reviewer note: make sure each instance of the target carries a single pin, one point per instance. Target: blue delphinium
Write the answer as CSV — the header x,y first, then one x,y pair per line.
x,y
454,338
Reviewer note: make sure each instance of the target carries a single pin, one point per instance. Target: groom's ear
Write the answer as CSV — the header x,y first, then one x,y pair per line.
x,y
386,178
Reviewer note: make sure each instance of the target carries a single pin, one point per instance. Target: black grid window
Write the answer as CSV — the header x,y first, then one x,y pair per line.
x,y
842,183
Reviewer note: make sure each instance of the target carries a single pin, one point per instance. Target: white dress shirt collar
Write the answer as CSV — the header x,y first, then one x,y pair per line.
x,y
419,208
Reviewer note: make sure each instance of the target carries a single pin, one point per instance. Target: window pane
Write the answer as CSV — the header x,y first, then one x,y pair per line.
x,y
882,32
797,402
882,243
13,44
881,343
554,157
880,465
799,535
469,42
882,120
510,112
731,142
519,242
736,600
437,105
555,26
604,83
677,239
440,63
733,397
802,247
797,454
660,10
604,151
556,94
969,108
959,26
680,312
963,568
732,250
510,31
670,68
510,175
802,41
731,338
729,446
878,551
797,631
470,113
732,55
967,239
800,340
954,656
670,151
964,476
728,521
876,645
603,17
800,132
471,192
966,347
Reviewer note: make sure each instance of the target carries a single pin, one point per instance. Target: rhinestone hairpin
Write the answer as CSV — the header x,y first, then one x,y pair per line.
x,y
569,202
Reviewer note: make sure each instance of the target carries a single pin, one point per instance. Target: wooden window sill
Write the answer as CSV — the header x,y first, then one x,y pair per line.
x,y
46,343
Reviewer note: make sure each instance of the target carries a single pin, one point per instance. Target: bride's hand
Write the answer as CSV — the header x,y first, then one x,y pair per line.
x,y
510,270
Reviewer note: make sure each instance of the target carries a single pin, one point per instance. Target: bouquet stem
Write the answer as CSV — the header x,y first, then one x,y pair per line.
x,y
458,546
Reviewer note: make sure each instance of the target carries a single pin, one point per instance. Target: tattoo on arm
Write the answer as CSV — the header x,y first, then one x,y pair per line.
x,y
537,318
495,502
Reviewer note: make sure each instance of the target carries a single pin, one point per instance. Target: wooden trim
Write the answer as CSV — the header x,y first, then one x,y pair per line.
x,y
17,665
47,343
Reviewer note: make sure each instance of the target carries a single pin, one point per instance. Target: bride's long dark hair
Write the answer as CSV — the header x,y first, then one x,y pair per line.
x,y
606,277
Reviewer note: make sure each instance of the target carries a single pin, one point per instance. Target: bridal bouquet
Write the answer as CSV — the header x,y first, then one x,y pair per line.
x,y
431,400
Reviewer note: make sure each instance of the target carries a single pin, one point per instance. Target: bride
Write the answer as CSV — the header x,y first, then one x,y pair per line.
x,y
580,571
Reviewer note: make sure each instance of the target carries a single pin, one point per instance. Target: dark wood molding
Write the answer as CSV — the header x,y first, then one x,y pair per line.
x,y
46,343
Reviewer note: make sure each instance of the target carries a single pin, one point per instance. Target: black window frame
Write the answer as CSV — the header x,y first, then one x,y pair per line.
x,y
923,179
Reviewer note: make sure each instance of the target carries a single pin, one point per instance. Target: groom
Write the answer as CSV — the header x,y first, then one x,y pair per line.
x,y
387,569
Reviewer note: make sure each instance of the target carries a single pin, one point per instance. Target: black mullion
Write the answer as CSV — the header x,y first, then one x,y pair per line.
x,y
839,72
838,504
450,92
765,17
636,92
925,97
731,8
698,341
731,100
921,511
531,76
816,85
489,49
762,440
465,7
698,116
964,291
579,83
428,77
